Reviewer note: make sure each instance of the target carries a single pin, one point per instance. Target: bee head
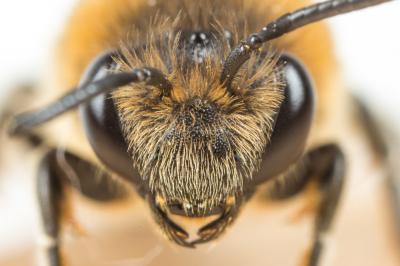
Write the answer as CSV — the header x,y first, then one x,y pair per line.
x,y
197,145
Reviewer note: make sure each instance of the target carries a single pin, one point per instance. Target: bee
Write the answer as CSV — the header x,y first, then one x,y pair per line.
x,y
197,106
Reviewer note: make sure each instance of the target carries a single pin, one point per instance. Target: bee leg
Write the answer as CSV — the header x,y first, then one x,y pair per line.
x,y
57,170
50,193
325,167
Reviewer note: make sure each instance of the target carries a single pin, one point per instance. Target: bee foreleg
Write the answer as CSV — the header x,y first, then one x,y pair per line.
x,y
49,188
57,170
324,167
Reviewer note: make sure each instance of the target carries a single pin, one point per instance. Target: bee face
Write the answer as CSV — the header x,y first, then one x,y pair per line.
x,y
198,146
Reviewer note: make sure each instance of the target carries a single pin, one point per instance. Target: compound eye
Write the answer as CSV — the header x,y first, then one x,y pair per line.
x,y
102,125
293,121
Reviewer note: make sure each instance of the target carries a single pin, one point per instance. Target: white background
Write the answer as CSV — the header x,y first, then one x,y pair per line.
x,y
368,46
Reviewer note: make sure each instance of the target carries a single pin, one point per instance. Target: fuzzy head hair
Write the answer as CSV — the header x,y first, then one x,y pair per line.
x,y
200,143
